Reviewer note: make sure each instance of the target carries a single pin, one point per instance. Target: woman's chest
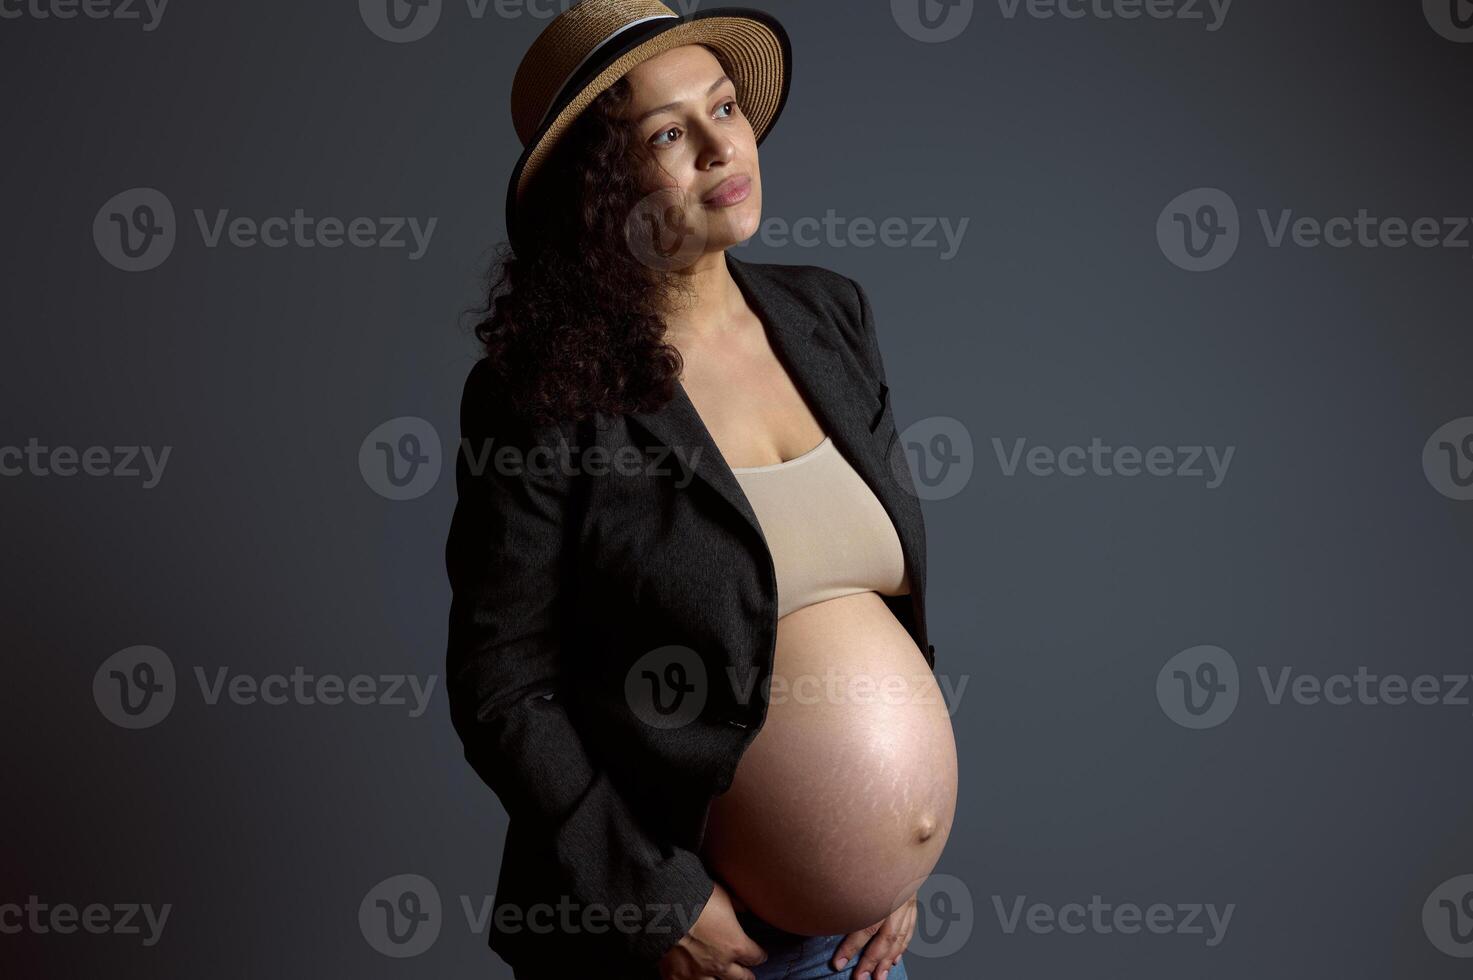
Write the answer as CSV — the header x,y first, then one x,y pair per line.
x,y
749,404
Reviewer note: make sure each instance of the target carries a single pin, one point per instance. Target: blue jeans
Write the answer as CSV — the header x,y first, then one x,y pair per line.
x,y
794,957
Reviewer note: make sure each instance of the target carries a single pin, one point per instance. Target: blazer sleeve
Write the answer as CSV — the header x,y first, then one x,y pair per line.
x,y
867,325
506,668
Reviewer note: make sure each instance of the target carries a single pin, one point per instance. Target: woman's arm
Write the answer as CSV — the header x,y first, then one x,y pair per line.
x,y
505,672
871,341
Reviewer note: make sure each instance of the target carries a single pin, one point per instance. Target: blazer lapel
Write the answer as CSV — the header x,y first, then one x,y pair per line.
x,y
678,425
836,389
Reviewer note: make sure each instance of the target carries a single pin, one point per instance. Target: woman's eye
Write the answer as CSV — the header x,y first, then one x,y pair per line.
x,y
660,137
730,104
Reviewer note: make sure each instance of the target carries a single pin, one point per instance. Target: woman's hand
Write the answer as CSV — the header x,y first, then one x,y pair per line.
x,y
891,936
716,946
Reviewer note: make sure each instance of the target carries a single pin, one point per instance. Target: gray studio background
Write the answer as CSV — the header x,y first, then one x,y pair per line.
x,y
1061,318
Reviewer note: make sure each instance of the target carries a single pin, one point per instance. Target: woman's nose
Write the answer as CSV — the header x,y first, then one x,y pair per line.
x,y
716,147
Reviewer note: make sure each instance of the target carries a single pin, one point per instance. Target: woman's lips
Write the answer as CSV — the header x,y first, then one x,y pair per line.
x,y
733,190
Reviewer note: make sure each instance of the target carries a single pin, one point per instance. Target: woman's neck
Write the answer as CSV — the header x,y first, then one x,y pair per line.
x,y
711,300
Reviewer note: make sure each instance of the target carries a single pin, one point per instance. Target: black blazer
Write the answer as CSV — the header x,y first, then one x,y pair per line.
x,y
565,575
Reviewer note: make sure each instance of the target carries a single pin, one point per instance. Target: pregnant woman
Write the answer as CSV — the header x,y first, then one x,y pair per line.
x,y
688,643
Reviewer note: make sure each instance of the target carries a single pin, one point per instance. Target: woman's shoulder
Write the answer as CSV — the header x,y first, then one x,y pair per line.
x,y
806,281
829,295
488,412
832,296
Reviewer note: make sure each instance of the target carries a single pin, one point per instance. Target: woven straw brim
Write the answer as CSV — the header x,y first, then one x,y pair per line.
x,y
759,69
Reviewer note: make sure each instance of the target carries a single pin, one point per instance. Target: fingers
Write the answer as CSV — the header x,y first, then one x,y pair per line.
x,y
736,972
885,948
901,942
877,956
849,948
746,950
750,954
851,944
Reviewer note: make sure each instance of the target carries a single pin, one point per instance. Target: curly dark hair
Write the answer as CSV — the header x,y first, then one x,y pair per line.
x,y
573,326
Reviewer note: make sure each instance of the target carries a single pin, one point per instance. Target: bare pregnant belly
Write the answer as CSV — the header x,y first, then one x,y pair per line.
x,y
842,803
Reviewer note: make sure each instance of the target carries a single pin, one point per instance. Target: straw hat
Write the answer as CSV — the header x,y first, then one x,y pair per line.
x,y
591,45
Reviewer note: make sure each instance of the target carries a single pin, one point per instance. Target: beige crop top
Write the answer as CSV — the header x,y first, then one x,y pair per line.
x,y
828,533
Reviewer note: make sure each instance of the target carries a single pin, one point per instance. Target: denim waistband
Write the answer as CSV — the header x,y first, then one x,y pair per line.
x,y
766,934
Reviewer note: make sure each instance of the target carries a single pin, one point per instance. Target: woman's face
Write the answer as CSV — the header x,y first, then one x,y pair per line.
x,y
701,146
